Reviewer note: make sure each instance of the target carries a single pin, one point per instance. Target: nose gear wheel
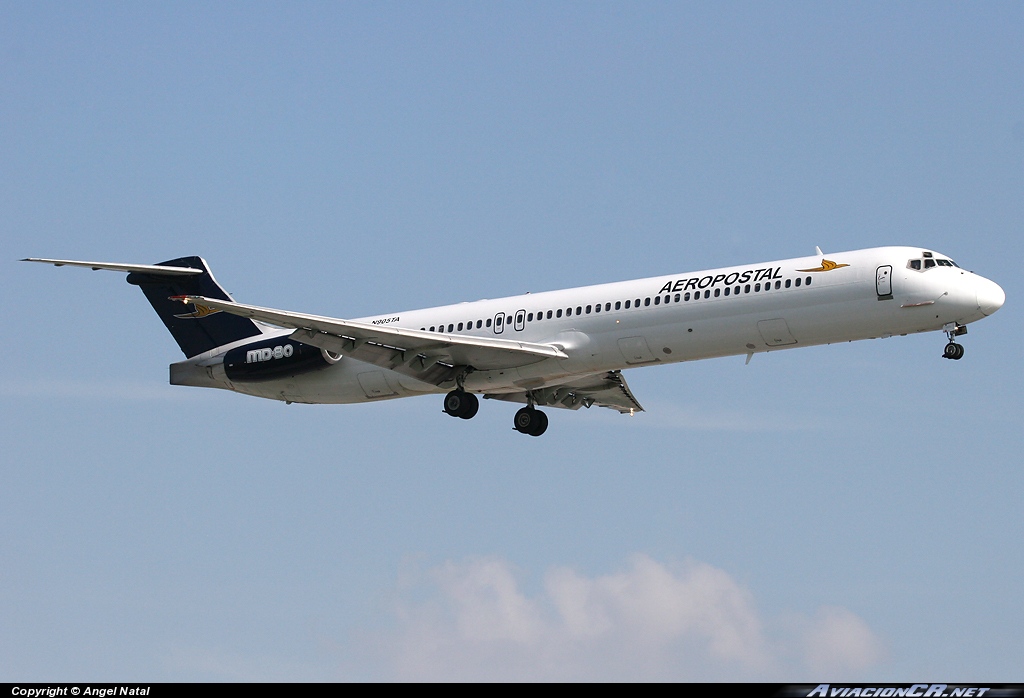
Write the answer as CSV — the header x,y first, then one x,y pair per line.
x,y
953,351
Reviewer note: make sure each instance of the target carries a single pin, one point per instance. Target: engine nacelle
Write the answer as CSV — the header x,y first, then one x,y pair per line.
x,y
274,358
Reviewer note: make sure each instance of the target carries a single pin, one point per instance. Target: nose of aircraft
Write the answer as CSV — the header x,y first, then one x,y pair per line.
x,y
990,296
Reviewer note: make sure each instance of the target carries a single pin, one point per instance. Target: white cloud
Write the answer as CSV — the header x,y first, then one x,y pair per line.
x,y
473,620
837,641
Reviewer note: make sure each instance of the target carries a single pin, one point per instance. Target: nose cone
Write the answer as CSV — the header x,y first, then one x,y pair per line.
x,y
990,296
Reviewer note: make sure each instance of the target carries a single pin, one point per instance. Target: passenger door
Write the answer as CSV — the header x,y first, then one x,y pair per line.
x,y
883,282
520,322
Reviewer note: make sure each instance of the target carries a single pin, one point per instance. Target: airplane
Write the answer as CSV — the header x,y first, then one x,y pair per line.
x,y
559,349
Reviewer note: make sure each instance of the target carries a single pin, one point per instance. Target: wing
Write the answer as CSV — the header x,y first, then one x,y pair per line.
x,y
432,357
604,390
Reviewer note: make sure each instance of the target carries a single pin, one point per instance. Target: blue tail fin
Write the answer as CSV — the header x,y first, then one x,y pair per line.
x,y
195,329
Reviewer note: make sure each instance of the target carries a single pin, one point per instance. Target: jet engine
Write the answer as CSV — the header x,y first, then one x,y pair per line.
x,y
275,358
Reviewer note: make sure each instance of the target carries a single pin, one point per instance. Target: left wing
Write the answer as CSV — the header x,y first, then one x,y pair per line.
x,y
604,390
432,357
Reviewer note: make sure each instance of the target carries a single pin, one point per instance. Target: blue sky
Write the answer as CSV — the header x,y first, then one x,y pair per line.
x,y
846,512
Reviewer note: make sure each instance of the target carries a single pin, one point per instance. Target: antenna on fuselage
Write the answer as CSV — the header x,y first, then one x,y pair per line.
x,y
818,250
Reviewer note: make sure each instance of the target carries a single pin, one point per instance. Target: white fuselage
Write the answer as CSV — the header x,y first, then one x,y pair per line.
x,y
666,319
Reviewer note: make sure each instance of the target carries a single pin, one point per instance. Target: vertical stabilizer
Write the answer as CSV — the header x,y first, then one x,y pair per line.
x,y
194,328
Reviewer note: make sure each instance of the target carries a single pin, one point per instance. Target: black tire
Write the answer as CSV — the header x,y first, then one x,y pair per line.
x,y
951,351
471,405
525,420
542,424
959,352
455,403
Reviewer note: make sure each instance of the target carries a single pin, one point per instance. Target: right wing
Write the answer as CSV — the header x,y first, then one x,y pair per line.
x,y
604,390
432,357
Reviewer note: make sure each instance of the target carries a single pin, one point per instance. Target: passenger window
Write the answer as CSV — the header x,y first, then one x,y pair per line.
x,y
549,315
607,307
579,309
677,298
707,294
568,312
746,289
757,288
597,308
460,327
451,328
488,323
778,285
559,313
618,305
431,328
529,318
657,300
718,292
627,305
478,324
727,290
588,310
636,303
788,283
807,281
798,282
686,296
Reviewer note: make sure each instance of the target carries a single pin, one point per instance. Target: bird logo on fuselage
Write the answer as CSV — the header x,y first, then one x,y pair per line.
x,y
826,265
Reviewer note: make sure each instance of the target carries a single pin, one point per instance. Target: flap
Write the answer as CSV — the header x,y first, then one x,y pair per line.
x,y
603,389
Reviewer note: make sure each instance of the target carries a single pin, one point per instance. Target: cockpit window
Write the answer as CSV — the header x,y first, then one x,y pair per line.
x,y
930,262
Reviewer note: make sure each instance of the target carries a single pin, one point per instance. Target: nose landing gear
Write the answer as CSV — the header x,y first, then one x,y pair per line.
x,y
953,350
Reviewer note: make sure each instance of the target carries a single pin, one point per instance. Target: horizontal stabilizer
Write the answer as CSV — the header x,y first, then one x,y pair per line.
x,y
152,269
195,332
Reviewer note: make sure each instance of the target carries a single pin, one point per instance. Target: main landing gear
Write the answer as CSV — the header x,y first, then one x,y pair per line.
x,y
465,405
953,350
459,403
530,421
